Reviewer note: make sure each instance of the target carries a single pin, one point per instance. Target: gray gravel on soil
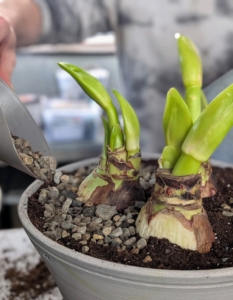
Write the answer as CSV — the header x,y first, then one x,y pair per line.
x,y
227,211
66,216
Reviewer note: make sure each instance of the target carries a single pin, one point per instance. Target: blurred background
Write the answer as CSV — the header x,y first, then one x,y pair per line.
x,y
70,121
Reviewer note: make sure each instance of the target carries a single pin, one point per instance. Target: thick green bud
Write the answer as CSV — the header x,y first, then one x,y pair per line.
x,y
94,89
177,120
190,62
168,158
131,126
211,127
116,138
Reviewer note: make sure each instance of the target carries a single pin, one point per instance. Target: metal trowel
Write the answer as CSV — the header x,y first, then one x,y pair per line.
x,y
15,120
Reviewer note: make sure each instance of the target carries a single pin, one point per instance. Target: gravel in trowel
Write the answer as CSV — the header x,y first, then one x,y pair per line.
x,y
42,166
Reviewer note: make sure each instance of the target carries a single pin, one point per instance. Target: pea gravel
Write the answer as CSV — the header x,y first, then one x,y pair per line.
x,y
66,216
42,166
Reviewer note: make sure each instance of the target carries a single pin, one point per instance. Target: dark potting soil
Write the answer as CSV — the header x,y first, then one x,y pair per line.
x,y
30,284
163,254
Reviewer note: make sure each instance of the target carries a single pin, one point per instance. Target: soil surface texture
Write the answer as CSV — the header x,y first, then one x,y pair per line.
x,y
104,233
30,284
23,275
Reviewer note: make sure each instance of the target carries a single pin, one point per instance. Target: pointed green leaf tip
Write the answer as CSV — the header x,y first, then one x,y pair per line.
x,y
116,138
91,86
211,127
131,125
94,89
190,62
177,120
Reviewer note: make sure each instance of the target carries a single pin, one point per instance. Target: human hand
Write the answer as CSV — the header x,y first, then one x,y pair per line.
x,y
7,50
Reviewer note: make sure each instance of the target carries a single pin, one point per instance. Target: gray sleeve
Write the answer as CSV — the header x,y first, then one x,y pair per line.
x,y
70,21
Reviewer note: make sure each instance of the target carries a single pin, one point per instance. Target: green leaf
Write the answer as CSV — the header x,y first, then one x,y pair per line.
x,y
131,125
211,127
191,69
116,138
91,86
176,120
190,62
94,89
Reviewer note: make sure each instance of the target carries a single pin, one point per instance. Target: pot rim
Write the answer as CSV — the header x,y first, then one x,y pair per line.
x,y
104,266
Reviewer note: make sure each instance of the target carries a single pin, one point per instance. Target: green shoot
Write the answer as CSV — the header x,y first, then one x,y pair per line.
x,y
191,69
94,89
177,120
131,126
106,137
116,138
169,157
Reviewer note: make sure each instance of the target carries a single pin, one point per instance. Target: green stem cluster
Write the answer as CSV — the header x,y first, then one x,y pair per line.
x,y
194,134
120,159
113,134
206,134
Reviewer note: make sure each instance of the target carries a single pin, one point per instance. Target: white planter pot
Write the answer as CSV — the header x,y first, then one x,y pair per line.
x,y
82,277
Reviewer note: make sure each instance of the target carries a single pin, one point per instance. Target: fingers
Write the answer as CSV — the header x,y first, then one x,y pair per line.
x,y
7,50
